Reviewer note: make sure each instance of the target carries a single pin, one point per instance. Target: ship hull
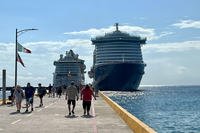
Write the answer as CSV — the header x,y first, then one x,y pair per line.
x,y
118,77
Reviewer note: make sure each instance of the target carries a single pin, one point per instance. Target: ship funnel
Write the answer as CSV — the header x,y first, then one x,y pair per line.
x,y
117,24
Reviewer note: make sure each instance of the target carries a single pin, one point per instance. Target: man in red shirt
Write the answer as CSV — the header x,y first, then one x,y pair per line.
x,y
86,96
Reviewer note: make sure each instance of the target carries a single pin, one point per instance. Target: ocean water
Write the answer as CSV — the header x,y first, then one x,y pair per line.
x,y
7,94
167,109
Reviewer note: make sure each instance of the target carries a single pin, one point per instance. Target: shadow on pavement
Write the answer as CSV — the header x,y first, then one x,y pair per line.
x,y
87,116
26,113
39,106
14,113
71,116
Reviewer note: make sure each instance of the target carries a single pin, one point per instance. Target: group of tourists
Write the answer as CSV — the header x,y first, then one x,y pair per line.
x,y
29,92
56,91
71,95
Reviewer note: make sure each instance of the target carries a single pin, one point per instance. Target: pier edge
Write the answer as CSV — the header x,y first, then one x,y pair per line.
x,y
134,123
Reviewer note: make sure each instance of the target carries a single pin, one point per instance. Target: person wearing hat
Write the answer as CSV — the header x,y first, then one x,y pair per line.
x,y
71,97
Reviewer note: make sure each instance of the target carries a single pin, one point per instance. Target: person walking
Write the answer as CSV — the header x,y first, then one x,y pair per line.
x,y
29,94
41,92
11,97
86,96
59,91
50,90
71,97
53,90
18,96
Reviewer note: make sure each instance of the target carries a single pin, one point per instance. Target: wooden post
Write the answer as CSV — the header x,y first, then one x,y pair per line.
x,y
4,86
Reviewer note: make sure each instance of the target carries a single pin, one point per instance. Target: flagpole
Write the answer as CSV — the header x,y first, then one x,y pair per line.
x,y
18,33
16,58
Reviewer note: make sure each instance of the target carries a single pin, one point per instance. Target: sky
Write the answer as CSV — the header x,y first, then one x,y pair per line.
x,y
172,29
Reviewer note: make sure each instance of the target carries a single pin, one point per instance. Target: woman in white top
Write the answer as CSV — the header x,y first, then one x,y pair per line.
x,y
18,96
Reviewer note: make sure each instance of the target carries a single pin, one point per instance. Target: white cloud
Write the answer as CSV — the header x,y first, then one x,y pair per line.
x,y
133,30
56,46
181,70
26,78
70,42
3,47
172,69
172,47
165,34
187,24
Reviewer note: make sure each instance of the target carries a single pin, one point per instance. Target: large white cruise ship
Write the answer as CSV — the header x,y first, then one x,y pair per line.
x,y
118,64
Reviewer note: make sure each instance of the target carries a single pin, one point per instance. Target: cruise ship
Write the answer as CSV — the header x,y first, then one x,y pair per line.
x,y
117,61
69,68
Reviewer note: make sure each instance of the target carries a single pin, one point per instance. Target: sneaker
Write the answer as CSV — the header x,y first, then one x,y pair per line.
x,y
88,113
84,112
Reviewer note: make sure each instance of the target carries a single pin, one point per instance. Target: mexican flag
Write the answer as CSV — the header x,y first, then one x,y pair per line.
x,y
20,48
20,60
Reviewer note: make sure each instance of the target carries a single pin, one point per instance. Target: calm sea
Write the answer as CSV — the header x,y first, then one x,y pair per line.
x,y
7,94
167,109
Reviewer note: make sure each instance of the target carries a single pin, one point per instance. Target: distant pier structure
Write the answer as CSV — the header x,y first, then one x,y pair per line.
x,y
69,68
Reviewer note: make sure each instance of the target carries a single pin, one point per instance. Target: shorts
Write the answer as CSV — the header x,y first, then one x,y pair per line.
x,y
73,102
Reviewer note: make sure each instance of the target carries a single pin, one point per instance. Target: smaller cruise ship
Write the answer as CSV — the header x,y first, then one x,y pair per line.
x,y
69,68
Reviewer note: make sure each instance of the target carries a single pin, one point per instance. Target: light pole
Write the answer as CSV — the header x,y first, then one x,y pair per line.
x,y
18,33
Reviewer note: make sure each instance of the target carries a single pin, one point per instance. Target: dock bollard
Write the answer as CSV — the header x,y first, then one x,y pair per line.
x,y
4,86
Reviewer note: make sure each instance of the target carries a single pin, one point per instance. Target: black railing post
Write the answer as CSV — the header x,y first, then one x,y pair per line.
x,y
4,86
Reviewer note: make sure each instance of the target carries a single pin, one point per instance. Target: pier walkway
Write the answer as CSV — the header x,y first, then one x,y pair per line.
x,y
53,118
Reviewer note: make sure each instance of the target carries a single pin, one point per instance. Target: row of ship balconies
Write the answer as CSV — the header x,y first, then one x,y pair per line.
x,y
118,61
99,49
119,58
126,44
118,39
118,49
67,71
115,53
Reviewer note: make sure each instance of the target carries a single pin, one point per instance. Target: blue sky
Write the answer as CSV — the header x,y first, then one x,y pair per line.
x,y
172,28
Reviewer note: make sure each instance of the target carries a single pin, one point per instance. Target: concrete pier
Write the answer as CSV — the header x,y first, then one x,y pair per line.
x,y
53,118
